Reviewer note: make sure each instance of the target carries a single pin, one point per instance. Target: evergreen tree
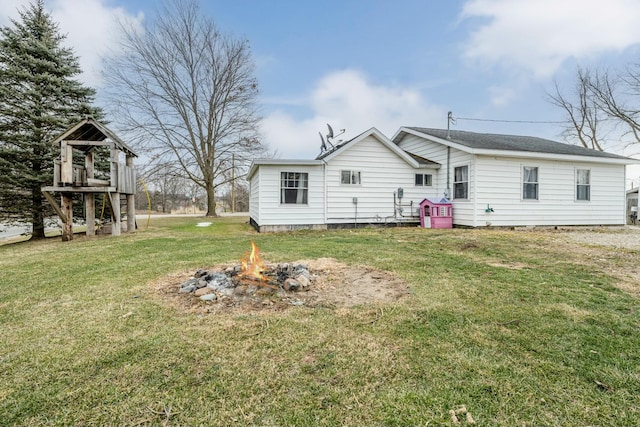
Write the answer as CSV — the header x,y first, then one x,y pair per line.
x,y
39,99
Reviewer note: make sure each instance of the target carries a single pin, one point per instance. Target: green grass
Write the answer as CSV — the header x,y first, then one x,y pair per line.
x,y
506,323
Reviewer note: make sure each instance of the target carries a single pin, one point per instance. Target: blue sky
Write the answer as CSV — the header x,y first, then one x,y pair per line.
x,y
358,64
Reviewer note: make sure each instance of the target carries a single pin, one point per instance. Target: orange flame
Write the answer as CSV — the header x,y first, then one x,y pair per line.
x,y
252,264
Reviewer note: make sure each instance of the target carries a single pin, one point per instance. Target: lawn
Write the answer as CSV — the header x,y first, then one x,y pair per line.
x,y
519,327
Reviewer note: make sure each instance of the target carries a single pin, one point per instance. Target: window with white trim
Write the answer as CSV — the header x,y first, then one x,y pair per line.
x,y
294,188
530,182
423,180
583,184
461,182
350,177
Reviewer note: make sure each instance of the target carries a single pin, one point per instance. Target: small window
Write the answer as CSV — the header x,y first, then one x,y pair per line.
x,y
423,180
350,177
461,182
294,188
529,183
583,184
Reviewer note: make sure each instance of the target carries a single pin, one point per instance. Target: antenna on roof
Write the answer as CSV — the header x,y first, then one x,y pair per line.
x,y
450,120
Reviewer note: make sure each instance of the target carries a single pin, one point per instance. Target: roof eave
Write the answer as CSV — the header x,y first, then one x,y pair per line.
x,y
256,163
553,156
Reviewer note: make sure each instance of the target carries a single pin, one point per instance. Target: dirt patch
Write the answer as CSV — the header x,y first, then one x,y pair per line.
x,y
334,285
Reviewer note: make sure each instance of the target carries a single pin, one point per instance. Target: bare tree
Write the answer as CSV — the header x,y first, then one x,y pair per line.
x,y
583,114
602,103
616,95
186,94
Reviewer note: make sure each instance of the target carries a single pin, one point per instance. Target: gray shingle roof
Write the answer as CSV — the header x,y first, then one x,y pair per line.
x,y
532,144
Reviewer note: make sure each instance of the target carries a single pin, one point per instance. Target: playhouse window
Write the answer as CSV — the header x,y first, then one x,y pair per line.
x,y
461,182
530,183
294,188
350,177
423,180
583,184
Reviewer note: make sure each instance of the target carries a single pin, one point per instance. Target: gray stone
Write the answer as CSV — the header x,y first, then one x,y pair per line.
x,y
201,283
200,273
209,297
202,291
187,289
189,282
291,285
303,280
227,292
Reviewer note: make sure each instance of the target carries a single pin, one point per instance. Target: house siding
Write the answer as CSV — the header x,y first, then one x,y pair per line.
x,y
382,172
499,181
463,210
254,197
272,212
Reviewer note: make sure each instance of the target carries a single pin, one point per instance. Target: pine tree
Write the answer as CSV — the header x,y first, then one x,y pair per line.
x,y
39,99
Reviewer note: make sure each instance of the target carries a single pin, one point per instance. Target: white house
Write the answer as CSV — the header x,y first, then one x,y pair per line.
x,y
499,180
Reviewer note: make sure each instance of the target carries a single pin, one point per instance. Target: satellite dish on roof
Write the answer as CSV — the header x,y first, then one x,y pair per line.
x,y
323,145
330,134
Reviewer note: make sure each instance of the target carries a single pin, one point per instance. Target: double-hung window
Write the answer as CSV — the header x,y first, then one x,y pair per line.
x,y
294,188
350,177
423,180
461,182
529,183
583,184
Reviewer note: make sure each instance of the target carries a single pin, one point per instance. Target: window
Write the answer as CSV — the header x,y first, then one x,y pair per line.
x,y
423,180
461,182
294,188
583,184
530,183
350,177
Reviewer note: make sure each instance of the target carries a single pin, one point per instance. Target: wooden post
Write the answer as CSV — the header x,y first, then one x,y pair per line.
x,y
116,226
90,198
67,209
66,163
131,202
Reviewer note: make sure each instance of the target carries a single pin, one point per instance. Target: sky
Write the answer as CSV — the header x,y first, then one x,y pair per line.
x,y
357,64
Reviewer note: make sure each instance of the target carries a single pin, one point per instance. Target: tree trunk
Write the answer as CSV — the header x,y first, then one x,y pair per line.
x,y
211,200
38,216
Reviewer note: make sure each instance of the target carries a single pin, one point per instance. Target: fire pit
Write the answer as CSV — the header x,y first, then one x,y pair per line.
x,y
254,285
251,277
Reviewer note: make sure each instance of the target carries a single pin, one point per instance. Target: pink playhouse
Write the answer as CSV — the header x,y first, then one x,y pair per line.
x,y
436,213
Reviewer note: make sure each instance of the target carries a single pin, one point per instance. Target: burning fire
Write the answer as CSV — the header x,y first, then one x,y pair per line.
x,y
252,264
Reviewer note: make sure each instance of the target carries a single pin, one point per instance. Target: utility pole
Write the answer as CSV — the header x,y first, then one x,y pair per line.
x,y
233,183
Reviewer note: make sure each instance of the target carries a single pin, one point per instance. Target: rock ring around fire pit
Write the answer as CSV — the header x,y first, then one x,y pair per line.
x,y
321,282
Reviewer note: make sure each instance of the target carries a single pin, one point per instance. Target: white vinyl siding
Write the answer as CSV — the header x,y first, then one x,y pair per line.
x,y
272,212
254,197
383,172
498,187
463,210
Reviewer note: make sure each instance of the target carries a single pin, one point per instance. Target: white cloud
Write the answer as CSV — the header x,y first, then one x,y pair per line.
x,y
91,27
538,35
346,99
